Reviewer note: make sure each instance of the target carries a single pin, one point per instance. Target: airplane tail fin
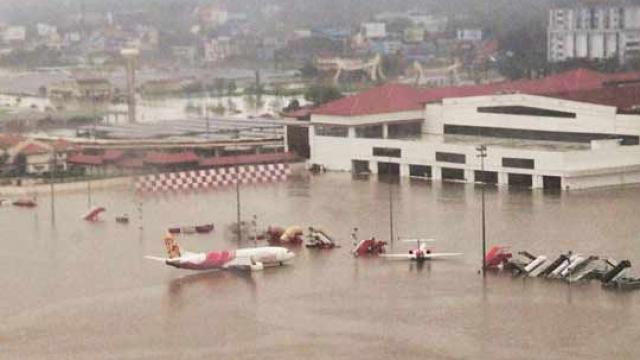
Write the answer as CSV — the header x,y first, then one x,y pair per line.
x,y
170,243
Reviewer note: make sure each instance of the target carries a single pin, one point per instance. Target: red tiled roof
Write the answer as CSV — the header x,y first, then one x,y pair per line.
x,y
395,98
112,155
131,163
10,140
161,158
84,159
247,159
381,99
33,148
623,97
63,145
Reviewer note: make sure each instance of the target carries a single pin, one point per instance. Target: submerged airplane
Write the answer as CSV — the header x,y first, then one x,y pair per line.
x,y
420,253
248,259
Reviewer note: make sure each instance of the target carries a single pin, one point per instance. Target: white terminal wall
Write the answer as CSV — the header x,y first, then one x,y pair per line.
x,y
602,165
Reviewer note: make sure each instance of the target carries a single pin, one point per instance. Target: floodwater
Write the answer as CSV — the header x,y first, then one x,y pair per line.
x,y
77,290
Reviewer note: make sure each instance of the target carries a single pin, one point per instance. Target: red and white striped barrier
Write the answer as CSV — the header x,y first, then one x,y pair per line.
x,y
212,178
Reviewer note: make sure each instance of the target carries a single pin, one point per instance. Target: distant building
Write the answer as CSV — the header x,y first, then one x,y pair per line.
x,y
211,16
469,34
594,32
302,33
184,54
46,30
36,157
413,35
14,34
219,49
431,23
374,30
86,89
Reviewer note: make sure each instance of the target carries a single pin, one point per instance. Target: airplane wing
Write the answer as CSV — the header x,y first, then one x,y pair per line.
x,y
398,256
409,240
439,255
245,264
425,256
156,258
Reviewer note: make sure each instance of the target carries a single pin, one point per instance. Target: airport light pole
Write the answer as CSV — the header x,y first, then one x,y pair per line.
x,y
51,181
390,204
482,153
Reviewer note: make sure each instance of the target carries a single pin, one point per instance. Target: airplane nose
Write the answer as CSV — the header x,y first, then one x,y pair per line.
x,y
289,255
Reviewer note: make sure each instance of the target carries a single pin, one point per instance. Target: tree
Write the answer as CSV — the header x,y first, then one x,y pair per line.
x,y
231,88
220,85
293,105
320,94
308,70
20,163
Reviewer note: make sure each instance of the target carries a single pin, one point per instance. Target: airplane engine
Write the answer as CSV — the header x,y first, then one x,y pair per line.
x,y
257,266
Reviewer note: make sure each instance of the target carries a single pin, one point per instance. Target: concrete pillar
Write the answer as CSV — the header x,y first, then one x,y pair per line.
x,y
503,178
286,138
385,131
351,132
536,182
469,175
404,170
436,173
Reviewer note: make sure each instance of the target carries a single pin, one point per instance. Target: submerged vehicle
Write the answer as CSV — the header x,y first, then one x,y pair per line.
x,y
199,229
292,235
122,219
28,203
319,239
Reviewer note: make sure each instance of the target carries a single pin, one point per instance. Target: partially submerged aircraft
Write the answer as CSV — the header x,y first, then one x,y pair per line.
x,y
247,259
366,246
420,253
94,214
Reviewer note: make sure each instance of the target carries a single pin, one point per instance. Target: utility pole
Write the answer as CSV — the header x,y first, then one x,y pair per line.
x,y
390,210
238,204
482,153
130,54
51,180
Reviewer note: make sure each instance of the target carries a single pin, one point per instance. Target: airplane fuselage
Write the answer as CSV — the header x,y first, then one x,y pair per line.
x,y
248,258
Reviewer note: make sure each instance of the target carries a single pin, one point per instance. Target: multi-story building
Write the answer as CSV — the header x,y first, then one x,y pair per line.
x,y
573,130
600,32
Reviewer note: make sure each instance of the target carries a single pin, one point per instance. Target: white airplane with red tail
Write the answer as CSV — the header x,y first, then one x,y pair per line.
x,y
247,259
420,253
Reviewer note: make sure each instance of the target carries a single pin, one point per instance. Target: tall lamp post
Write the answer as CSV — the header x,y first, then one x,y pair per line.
x,y
482,153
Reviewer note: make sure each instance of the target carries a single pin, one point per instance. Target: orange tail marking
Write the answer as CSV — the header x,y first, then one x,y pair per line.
x,y
173,249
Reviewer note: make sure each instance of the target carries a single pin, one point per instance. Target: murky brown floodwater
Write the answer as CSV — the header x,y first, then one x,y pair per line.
x,y
76,290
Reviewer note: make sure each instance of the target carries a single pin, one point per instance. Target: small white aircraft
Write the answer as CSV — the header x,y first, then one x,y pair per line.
x,y
249,259
419,253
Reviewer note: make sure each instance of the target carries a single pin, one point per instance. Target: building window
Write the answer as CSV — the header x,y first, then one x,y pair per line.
x,y
422,171
360,166
406,130
518,163
452,174
451,157
537,134
334,131
369,132
388,152
525,110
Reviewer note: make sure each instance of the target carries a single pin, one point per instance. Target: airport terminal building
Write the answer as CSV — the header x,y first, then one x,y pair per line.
x,y
573,130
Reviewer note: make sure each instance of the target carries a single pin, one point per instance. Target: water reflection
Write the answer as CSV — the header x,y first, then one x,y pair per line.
x,y
204,284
